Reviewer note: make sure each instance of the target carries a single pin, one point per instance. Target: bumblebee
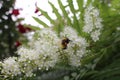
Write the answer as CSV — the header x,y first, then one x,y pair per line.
x,y
65,41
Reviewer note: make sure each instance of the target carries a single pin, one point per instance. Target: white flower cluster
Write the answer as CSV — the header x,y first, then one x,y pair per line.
x,y
76,48
44,52
10,67
92,21
26,60
41,54
46,46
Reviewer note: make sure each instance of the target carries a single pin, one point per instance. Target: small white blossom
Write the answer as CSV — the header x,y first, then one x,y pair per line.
x,y
118,28
95,35
27,54
92,22
10,67
29,74
69,32
75,60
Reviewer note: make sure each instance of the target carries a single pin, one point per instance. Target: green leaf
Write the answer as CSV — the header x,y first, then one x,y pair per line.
x,y
47,16
88,2
80,5
40,22
81,9
57,26
55,10
65,13
88,58
108,73
70,3
32,27
75,20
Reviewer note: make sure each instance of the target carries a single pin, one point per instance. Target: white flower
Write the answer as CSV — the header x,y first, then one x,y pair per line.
x,y
47,47
76,48
10,67
27,54
118,28
95,35
74,60
92,22
88,28
42,53
69,32
88,19
29,74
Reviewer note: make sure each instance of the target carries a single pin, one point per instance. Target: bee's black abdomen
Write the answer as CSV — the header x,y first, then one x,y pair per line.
x,y
64,43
